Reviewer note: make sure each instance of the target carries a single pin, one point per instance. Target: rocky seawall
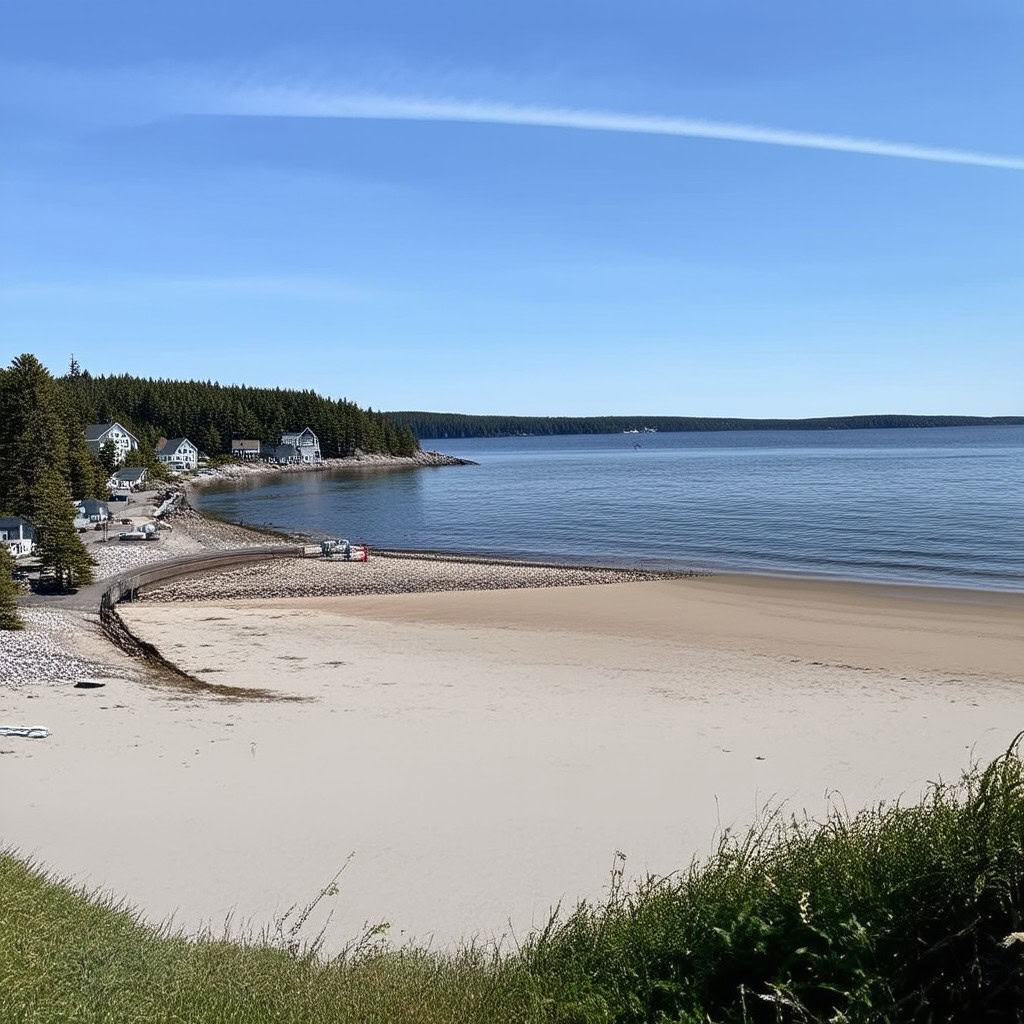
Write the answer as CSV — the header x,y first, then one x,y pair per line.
x,y
314,577
250,470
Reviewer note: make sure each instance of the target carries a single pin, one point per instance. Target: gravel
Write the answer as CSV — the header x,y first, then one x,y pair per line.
x,y
189,533
314,577
215,534
119,556
38,653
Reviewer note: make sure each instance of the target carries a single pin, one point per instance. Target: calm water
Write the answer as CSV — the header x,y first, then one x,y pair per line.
x,y
941,506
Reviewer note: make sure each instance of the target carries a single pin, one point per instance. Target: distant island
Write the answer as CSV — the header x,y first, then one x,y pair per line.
x,y
440,425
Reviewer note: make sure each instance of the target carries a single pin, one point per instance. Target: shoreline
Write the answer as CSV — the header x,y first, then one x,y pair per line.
x,y
869,626
261,577
239,470
61,633
652,566
583,562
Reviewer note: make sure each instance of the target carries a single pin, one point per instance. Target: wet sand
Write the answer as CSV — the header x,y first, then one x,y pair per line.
x,y
484,754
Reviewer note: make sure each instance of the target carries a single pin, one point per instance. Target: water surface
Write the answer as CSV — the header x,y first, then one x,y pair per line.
x,y
941,505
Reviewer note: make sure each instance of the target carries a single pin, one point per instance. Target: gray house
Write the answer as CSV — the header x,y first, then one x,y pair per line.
x,y
306,443
19,535
92,510
127,479
286,455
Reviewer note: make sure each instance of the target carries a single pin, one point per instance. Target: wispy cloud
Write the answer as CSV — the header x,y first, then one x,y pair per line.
x,y
136,95
274,101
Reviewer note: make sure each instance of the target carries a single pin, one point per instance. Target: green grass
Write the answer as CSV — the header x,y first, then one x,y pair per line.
x,y
899,913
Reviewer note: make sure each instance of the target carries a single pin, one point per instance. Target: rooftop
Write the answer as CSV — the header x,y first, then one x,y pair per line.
x,y
171,446
95,431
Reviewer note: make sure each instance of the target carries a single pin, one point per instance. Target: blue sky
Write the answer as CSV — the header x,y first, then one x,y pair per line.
x,y
486,207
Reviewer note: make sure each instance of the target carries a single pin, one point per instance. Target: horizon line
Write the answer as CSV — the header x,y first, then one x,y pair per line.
x,y
684,416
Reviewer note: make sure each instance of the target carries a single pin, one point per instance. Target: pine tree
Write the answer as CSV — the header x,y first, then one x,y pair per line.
x,y
108,456
33,439
9,618
210,440
60,549
85,474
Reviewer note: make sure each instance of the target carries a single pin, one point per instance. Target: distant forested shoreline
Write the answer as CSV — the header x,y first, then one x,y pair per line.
x,y
441,425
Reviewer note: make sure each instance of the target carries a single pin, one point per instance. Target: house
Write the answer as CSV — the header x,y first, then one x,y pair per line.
x,y
306,442
127,479
92,511
19,535
245,449
179,453
286,455
97,435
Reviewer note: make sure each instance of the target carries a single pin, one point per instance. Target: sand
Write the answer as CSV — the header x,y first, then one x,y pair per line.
x,y
484,755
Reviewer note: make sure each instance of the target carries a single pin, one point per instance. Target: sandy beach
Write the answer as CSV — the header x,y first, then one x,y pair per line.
x,y
484,754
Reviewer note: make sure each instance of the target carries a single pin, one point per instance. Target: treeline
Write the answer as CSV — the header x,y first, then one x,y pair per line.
x,y
210,414
439,425
44,464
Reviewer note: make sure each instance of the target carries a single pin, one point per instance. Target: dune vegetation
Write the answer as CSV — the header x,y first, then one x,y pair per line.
x,y
897,913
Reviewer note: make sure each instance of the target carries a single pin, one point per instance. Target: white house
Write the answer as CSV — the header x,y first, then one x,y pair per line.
x,y
179,453
97,435
127,479
19,535
306,443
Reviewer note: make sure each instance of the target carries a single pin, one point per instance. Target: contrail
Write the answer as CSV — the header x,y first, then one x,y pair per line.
x,y
278,102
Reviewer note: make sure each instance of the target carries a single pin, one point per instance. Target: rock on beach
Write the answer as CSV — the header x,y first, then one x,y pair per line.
x,y
39,653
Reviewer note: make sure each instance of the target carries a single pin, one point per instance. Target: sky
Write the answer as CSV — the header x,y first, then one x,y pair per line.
x,y
696,207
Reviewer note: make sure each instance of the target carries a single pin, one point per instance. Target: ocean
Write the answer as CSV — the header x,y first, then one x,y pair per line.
x,y
942,506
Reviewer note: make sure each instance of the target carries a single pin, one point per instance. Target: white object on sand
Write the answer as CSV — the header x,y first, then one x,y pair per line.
x,y
32,732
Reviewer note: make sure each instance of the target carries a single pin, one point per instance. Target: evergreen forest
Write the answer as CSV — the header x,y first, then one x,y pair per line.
x,y
211,414
440,425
